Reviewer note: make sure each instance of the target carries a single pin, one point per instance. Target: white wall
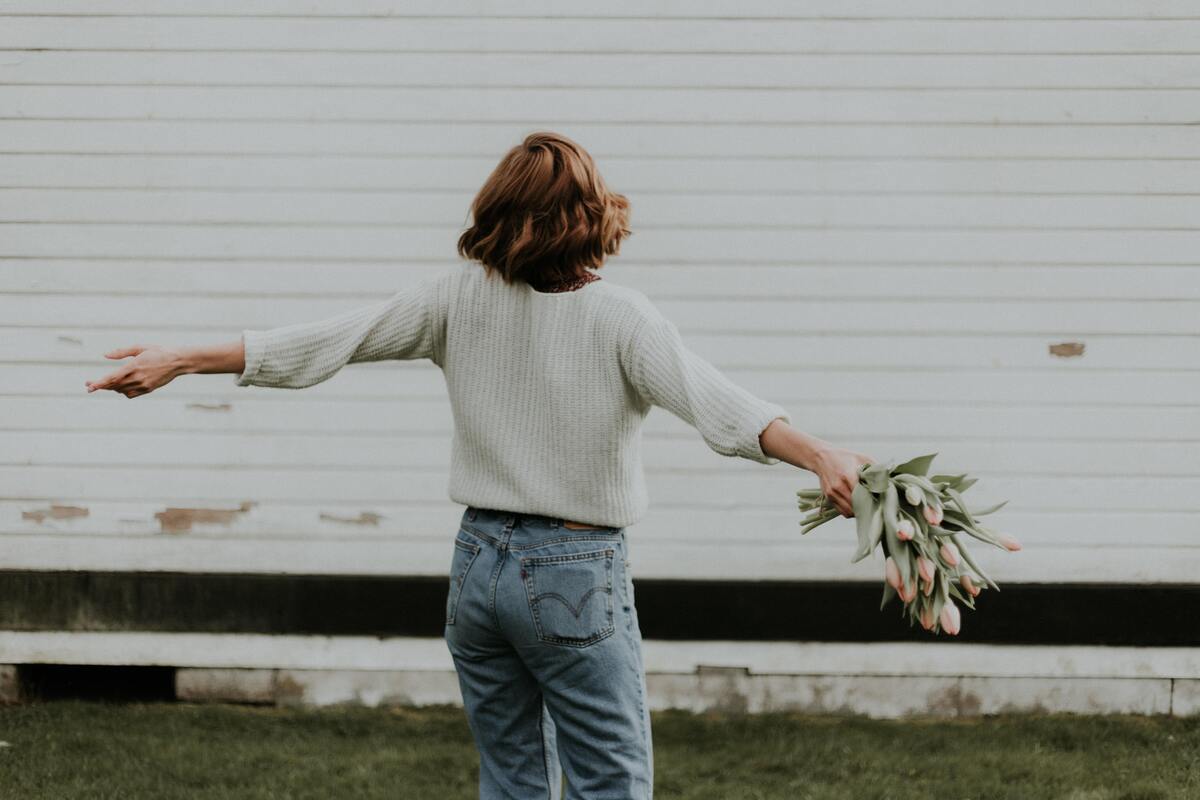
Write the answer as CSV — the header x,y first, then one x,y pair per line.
x,y
882,215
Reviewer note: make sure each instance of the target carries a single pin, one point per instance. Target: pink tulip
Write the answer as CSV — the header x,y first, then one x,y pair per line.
x,y
949,553
927,587
950,618
891,573
971,588
907,591
925,568
904,530
1008,542
933,513
927,618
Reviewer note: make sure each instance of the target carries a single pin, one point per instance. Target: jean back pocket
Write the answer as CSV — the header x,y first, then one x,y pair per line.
x,y
464,555
571,596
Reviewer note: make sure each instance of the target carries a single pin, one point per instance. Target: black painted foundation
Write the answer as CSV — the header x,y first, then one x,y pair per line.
x,y
1094,614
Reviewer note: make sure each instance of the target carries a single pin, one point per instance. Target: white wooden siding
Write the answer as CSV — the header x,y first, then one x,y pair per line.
x,y
882,215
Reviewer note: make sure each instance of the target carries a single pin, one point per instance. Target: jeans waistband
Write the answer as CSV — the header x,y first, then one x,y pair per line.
x,y
501,525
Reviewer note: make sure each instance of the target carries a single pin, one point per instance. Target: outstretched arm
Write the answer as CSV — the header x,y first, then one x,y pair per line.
x,y
732,421
667,373
292,356
836,467
307,353
154,366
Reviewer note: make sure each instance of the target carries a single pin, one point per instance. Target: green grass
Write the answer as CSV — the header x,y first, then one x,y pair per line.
x,y
77,749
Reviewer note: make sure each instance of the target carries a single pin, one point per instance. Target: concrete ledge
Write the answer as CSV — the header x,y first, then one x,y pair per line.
x,y
878,680
225,685
722,689
1185,697
932,658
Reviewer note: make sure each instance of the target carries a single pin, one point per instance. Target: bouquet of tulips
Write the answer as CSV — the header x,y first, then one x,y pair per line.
x,y
919,521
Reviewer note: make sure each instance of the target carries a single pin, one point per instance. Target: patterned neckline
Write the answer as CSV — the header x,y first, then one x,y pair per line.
x,y
569,285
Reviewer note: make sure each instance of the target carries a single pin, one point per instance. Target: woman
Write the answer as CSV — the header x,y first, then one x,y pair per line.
x,y
550,372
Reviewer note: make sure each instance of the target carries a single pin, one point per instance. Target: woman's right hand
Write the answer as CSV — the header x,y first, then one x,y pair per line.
x,y
152,367
838,470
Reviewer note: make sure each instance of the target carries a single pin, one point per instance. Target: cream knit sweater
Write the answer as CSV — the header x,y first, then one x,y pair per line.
x,y
548,390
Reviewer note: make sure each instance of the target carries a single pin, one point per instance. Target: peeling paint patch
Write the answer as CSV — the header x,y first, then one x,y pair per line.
x,y
364,518
55,512
70,339
1067,349
181,520
210,406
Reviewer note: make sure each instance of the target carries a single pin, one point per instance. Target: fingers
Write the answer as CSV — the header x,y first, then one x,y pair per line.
x,y
120,381
842,492
109,381
839,495
123,352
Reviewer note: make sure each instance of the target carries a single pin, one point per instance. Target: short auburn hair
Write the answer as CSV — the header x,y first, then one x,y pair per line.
x,y
544,215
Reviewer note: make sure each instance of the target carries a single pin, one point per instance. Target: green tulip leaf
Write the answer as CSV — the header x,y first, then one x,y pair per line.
x,y
888,594
991,509
863,504
891,507
896,549
874,532
915,466
962,505
970,562
876,476
961,596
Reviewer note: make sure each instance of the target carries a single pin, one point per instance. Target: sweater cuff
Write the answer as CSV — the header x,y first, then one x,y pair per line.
x,y
766,414
254,345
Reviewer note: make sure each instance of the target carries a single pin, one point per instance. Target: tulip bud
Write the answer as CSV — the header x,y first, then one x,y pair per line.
x,y
927,618
907,591
891,573
914,495
1008,542
950,618
905,530
927,588
925,567
933,513
971,588
949,553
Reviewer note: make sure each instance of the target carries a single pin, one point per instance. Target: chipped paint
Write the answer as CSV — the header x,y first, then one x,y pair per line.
x,y
70,339
1067,349
364,518
181,520
210,406
55,512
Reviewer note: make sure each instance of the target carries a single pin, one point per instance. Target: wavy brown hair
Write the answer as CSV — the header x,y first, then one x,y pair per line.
x,y
545,215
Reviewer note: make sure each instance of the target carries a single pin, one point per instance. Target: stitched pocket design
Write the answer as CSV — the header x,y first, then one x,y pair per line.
x,y
571,596
464,556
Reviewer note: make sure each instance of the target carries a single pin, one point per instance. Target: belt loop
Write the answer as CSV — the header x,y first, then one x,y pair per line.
x,y
471,511
555,522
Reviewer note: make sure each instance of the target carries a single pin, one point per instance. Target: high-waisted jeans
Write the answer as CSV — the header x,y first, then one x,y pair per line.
x,y
541,624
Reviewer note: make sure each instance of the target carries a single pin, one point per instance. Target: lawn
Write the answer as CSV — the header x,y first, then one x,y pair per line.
x,y
82,749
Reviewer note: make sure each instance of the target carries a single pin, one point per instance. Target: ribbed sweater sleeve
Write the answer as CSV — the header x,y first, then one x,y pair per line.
x,y
668,374
307,353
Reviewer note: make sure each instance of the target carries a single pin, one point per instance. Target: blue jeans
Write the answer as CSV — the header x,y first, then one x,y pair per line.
x,y
542,628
